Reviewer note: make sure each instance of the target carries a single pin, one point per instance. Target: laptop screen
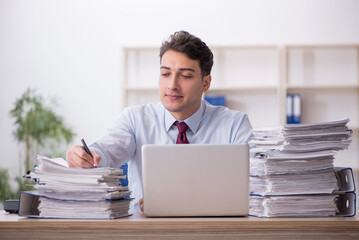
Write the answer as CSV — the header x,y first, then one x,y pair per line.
x,y
195,180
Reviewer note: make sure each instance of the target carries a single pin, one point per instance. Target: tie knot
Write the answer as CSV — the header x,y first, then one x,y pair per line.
x,y
182,126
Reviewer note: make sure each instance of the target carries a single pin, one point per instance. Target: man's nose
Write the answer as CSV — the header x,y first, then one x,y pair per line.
x,y
173,82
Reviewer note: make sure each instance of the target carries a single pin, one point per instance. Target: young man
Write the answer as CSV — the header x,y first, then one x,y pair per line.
x,y
185,74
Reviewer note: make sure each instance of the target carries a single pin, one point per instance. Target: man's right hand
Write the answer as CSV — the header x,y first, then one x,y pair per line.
x,y
76,156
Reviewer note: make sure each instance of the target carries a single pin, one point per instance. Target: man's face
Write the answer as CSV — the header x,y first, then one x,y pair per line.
x,y
181,84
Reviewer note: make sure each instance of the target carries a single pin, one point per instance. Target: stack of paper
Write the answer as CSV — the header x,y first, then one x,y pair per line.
x,y
293,206
325,182
66,192
304,137
291,168
271,162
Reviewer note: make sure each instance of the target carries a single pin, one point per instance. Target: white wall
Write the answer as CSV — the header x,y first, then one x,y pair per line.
x,y
72,48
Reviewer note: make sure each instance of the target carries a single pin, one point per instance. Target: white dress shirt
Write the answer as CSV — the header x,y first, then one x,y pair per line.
x,y
153,124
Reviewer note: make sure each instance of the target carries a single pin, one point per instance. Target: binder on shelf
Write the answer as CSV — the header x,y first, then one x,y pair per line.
x,y
216,100
294,108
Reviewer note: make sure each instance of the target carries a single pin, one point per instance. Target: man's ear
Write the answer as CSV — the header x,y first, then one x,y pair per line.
x,y
206,82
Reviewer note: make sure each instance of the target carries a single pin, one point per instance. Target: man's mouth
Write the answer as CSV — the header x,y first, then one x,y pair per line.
x,y
173,96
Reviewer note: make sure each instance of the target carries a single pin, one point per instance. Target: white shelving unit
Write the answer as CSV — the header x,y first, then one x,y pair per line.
x,y
257,79
244,74
141,71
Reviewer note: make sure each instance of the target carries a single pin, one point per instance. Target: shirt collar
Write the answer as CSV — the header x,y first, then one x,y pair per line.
x,y
192,121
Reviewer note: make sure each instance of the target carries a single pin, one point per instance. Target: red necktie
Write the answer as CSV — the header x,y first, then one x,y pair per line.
x,y
182,128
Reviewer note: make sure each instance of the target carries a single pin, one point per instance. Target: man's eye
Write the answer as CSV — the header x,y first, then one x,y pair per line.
x,y
186,76
165,74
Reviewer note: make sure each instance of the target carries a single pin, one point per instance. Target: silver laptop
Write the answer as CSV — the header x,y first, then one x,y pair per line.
x,y
195,180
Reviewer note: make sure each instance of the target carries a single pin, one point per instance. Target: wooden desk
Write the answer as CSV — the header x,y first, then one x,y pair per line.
x,y
139,227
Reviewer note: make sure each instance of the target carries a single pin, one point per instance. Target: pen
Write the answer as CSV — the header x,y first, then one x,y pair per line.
x,y
86,149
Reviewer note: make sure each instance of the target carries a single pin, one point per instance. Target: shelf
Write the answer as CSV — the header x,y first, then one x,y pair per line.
x,y
323,46
244,88
212,89
141,89
244,47
322,87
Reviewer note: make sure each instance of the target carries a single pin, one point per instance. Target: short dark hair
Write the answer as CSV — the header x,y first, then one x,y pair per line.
x,y
192,46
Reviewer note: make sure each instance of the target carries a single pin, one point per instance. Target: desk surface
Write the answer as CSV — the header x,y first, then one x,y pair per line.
x,y
140,227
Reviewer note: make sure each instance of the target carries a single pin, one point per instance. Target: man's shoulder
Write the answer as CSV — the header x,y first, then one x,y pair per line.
x,y
222,111
148,108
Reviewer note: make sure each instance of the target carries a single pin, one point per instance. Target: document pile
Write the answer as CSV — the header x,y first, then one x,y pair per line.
x,y
292,172
64,192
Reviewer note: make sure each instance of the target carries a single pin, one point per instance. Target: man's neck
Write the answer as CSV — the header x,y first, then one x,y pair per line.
x,y
180,116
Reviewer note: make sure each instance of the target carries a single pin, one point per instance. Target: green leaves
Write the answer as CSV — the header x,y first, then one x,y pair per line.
x,y
34,119
37,123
